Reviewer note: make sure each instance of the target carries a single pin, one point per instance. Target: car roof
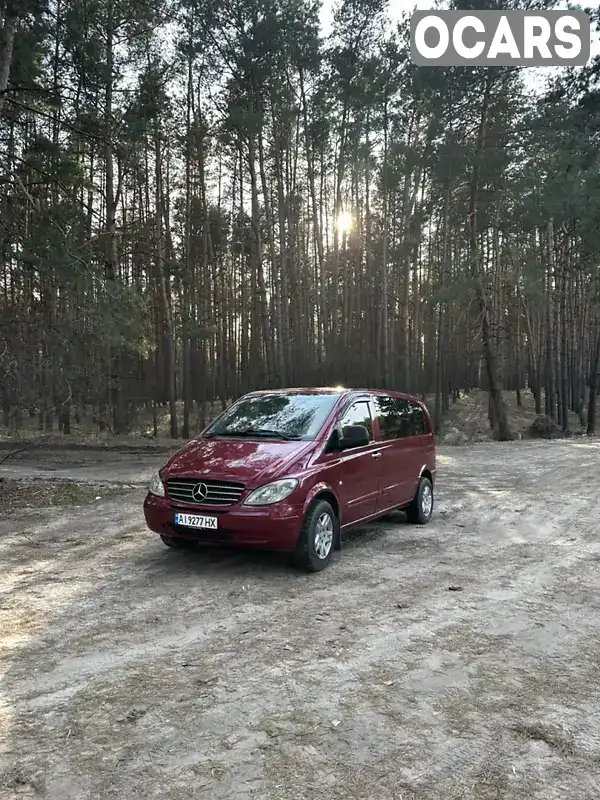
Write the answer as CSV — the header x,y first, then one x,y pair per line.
x,y
389,392
339,390
302,390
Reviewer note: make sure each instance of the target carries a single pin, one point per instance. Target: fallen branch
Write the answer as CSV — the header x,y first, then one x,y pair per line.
x,y
13,452
29,539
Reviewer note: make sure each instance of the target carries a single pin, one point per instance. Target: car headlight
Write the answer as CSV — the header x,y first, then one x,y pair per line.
x,y
271,493
156,486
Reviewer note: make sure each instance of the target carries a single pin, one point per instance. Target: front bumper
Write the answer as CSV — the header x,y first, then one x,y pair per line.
x,y
275,527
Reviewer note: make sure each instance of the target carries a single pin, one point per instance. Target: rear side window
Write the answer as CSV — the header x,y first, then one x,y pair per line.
x,y
395,417
358,414
417,420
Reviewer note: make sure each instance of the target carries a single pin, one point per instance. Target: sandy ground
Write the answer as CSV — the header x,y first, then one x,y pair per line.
x,y
129,465
459,660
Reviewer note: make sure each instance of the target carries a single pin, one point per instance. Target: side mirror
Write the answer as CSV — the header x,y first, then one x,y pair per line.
x,y
354,436
333,443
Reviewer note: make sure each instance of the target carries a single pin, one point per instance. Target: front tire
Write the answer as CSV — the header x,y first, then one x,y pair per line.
x,y
420,510
317,537
178,544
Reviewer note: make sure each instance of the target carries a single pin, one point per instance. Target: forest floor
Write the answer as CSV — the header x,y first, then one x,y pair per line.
x,y
458,661
467,419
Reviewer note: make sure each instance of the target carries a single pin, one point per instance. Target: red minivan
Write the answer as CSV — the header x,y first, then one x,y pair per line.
x,y
292,469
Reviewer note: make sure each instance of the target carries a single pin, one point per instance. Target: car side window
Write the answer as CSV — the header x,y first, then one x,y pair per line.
x,y
389,419
418,424
394,416
404,412
359,413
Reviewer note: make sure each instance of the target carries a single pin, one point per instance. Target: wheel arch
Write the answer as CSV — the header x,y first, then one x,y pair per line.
x,y
426,472
322,491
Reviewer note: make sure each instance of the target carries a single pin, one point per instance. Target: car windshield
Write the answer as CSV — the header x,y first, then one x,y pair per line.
x,y
276,416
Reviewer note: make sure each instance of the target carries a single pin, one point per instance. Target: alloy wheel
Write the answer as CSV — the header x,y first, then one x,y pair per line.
x,y
323,535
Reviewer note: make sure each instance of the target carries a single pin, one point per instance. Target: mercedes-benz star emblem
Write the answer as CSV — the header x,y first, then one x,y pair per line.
x,y
199,492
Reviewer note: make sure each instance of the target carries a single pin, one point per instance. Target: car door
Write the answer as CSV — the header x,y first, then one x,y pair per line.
x,y
413,445
358,470
392,479
424,431
400,451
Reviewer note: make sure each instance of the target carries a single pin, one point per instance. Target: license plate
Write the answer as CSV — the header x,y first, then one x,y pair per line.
x,y
196,521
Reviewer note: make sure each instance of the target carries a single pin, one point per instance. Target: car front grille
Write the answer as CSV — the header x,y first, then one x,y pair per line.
x,y
217,493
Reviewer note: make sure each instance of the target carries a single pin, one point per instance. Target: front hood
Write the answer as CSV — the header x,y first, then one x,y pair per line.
x,y
239,460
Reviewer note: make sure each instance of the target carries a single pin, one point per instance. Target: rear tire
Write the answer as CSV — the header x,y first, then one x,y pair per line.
x,y
421,508
317,537
178,544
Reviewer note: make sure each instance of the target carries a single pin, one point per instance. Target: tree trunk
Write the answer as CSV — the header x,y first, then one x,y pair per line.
x,y
7,40
260,315
564,379
518,353
187,278
593,387
384,322
316,219
534,372
551,409
170,366
115,395
502,430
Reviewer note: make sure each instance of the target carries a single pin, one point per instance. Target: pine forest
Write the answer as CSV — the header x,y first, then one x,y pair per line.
x,y
200,198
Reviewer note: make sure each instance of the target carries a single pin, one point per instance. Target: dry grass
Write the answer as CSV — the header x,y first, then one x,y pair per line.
x,y
19,780
554,736
37,494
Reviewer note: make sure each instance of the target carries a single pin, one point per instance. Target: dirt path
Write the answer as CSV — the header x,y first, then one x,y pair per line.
x,y
131,465
129,671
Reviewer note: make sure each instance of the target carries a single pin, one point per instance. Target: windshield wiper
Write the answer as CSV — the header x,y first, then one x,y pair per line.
x,y
269,432
262,432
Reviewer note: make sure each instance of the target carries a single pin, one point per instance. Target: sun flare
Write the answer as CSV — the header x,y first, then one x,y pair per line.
x,y
344,221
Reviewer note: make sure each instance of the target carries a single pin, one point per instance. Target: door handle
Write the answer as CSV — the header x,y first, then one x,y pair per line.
x,y
375,455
